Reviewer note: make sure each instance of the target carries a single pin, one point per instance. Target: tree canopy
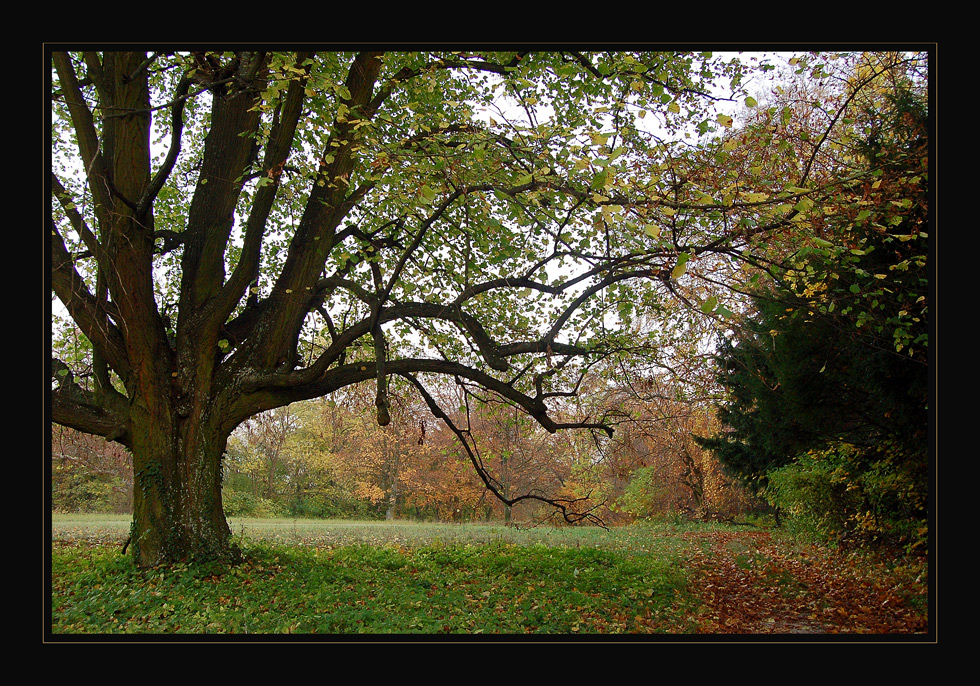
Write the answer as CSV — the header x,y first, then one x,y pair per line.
x,y
232,232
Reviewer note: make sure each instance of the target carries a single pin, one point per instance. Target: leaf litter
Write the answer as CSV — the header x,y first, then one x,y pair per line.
x,y
750,583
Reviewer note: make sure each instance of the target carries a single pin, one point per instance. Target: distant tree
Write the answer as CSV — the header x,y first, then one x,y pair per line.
x,y
261,448
89,474
314,483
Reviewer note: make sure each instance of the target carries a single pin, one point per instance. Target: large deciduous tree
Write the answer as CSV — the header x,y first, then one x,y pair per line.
x,y
236,231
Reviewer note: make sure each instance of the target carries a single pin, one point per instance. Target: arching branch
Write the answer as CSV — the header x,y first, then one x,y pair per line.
x,y
565,506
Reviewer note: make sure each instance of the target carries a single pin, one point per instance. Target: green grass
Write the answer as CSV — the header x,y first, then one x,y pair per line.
x,y
314,577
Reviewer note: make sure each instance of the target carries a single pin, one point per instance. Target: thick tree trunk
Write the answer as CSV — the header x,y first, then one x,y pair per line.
x,y
177,509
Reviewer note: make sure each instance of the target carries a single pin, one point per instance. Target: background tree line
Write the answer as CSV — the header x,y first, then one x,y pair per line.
x,y
329,458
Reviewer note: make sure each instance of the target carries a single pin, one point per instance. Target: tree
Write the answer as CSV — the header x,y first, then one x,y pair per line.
x,y
315,482
89,474
263,447
381,457
236,231
831,373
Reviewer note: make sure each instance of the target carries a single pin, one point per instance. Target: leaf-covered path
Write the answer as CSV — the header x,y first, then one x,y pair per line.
x,y
748,583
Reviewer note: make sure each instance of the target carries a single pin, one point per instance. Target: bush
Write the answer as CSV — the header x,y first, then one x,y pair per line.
x,y
646,496
77,489
330,505
243,504
850,496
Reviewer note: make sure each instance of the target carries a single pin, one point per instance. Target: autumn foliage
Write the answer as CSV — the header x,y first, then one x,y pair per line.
x,y
462,285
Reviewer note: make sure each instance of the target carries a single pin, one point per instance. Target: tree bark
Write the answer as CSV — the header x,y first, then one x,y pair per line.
x,y
177,508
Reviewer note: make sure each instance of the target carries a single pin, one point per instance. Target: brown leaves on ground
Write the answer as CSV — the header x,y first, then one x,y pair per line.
x,y
749,583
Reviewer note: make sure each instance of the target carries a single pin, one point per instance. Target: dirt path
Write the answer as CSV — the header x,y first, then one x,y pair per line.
x,y
750,585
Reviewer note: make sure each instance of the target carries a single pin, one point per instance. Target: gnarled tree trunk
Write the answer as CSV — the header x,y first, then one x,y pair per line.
x,y
177,509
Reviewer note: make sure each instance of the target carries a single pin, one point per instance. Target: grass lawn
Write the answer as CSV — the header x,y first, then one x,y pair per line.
x,y
315,577
318,577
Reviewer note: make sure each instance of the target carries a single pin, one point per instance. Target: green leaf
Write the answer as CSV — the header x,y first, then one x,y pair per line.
x,y
709,305
803,205
724,312
681,267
